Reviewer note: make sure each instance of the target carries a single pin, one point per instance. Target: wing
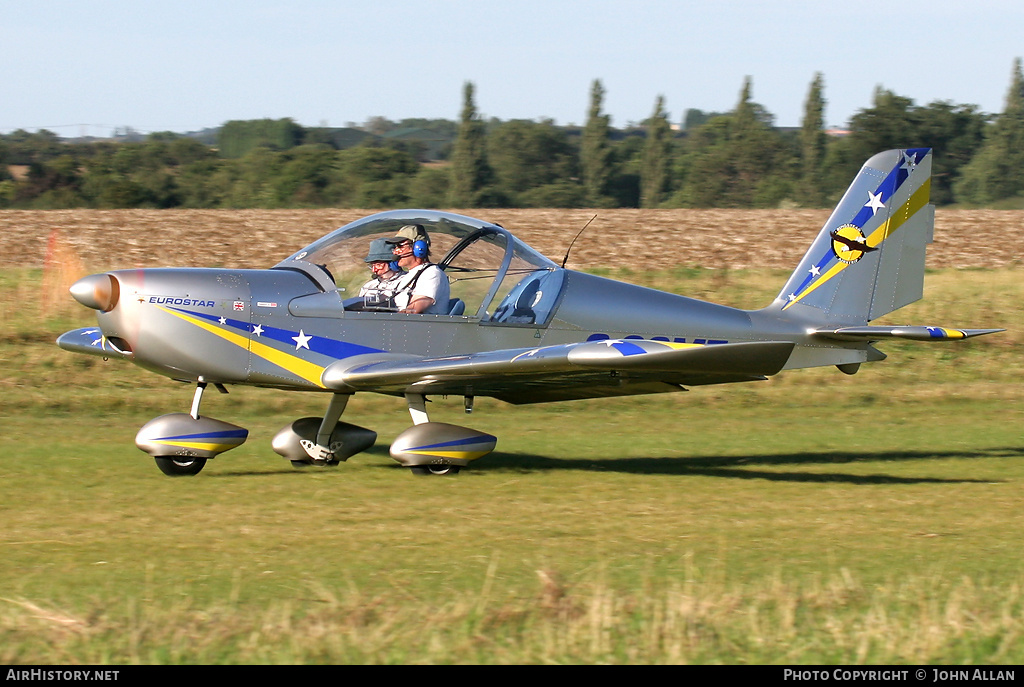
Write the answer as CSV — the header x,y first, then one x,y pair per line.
x,y
564,372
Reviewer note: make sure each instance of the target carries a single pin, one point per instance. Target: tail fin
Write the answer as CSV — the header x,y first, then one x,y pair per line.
x,y
868,259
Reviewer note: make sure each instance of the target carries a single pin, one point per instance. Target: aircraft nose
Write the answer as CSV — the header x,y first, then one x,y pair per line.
x,y
97,291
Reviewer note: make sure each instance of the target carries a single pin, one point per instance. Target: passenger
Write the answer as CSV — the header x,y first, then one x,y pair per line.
x,y
379,292
424,288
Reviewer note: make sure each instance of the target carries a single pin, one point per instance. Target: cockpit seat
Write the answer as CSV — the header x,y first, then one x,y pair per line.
x,y
456,306
523,311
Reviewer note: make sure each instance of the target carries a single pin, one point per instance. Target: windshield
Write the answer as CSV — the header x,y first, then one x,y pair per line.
x,y
484,263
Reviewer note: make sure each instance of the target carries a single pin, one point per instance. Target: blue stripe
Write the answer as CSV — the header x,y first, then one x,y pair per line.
x,y
627,349
455,442
242,325
317,344
227,434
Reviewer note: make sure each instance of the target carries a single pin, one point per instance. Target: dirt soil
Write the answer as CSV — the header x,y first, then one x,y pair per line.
x,y
641,239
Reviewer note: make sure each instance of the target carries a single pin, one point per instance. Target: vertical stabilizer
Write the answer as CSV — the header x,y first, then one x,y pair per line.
x,y
868,259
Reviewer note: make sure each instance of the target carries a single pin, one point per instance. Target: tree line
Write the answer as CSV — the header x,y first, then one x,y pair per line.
x,y
737,159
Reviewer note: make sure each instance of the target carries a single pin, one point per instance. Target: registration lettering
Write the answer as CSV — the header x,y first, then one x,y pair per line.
x,y
678,339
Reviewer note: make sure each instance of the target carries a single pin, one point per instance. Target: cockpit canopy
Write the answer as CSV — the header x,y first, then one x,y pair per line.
x,y
494,276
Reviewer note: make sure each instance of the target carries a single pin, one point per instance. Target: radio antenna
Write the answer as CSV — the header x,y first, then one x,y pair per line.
x,y
566,258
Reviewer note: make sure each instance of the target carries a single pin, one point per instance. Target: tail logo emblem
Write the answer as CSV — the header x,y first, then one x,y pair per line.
x,y
849,244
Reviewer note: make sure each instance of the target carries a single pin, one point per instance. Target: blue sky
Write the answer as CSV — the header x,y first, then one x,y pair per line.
x,y
87,66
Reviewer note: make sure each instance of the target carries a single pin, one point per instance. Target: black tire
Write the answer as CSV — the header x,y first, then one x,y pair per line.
x,y
435,469
303,464
180,466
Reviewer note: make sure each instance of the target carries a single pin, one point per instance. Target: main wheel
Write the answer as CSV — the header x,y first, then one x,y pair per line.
x,y
179,466
435,469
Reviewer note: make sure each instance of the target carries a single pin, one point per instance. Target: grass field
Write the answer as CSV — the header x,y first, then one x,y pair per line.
x,y
814,518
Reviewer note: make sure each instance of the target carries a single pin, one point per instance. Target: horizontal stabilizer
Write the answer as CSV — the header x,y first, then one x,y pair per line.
x,y
915,333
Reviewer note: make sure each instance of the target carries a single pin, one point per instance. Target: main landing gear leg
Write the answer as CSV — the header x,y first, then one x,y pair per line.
x,y
323,441
417,408
323,451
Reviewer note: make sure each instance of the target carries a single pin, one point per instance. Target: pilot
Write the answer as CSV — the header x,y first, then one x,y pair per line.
x,y
379,292
424,288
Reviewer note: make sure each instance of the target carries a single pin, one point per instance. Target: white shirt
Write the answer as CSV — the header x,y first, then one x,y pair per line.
x,y
381,291
428,281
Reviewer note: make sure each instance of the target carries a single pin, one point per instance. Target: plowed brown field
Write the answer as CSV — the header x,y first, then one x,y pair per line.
x,y
642,239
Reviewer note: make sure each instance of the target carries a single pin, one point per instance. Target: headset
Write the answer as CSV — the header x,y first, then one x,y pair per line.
x,y
421,245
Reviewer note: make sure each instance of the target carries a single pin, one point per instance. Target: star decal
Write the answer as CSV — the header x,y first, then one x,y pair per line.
x,y
909,162
301,341
874,202
815,270
257,329
223,320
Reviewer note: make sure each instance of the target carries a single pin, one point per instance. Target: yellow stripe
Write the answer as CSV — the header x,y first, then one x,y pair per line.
x,y
678,346
896,219
297,366
916,201
463,455
835,269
